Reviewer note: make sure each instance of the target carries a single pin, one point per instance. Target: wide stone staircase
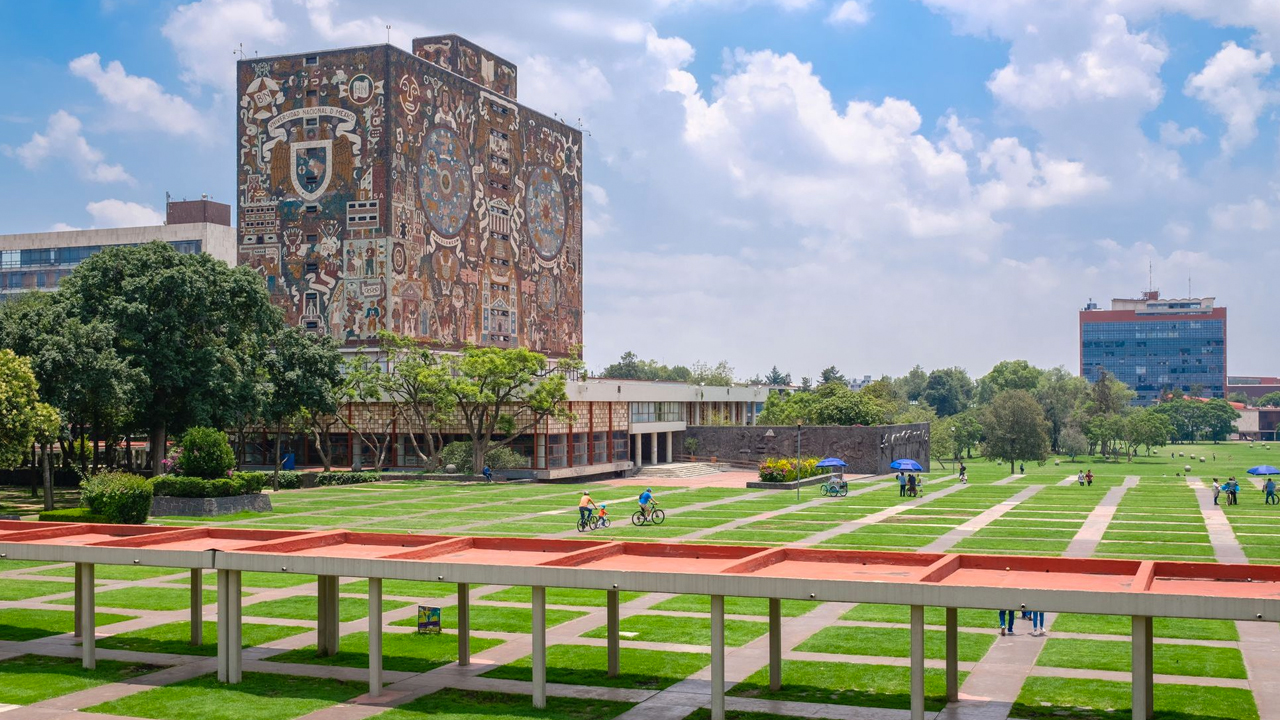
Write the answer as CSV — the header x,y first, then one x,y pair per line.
x,y
679,470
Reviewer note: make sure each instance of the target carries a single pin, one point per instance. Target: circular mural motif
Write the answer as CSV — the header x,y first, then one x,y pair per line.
x,y
547,292
444,179
544,206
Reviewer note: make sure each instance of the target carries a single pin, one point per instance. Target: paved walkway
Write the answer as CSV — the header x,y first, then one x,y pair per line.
x,y
951,537
995,682
874,518
1085,543
1226,549
820,500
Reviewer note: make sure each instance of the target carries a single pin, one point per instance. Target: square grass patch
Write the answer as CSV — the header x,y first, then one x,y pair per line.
x,y
884,686
893,642
497,619
267,580
404,588
175,638
1179,628
1046,698
115,572
259,696
21,624
965,617
589,665
735,605
1192,660
146,598
304,607
6,565
27,589
574,597
28,679
450,704
404,652
683,630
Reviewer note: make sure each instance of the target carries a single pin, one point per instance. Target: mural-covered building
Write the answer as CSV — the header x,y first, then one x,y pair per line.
x,y
384,190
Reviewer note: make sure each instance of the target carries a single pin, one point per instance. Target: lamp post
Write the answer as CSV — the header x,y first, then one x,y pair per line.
x,y
797,462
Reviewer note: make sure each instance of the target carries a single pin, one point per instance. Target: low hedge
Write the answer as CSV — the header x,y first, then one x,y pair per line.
x,y
119,497
73,515
289,479
345,478
242,483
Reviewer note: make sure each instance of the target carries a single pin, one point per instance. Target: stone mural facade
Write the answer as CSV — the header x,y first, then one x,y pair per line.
x,y
867,450
383,190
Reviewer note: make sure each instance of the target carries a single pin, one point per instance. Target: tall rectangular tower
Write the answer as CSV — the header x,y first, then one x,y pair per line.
x,y
383,190
1156,346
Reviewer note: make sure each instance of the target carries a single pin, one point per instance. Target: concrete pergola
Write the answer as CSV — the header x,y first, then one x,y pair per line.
x,y
1140,590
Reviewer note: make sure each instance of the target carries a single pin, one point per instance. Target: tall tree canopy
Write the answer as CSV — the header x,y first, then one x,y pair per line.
x,y
189,323
1008,375
830,376
775,377
1015,429
22,416
948,391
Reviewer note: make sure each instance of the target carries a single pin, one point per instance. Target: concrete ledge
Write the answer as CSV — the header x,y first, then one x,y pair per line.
x,y
815,480
164,506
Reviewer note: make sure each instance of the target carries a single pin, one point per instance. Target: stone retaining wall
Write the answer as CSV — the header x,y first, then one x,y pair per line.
x,y
164,506
867,450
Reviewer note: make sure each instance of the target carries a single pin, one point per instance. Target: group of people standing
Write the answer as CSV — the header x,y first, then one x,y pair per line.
x,y
908,484
1035,616
1231,488
1083,477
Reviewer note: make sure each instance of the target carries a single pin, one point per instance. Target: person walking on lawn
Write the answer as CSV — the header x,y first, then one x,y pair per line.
x,y
1088,477
1037,623
902,484
1270,488
1216,489
1080,478
1009,615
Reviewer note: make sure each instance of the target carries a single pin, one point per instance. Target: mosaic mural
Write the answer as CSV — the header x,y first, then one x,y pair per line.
x,y
380,191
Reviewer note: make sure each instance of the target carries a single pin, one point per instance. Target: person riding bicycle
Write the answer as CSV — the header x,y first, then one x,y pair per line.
x,y
646,501
603,513
585,506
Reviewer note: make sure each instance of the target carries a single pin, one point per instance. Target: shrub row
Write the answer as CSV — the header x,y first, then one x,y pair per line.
x,y
73,515
345,478
289,479
118,497
242,483
784,469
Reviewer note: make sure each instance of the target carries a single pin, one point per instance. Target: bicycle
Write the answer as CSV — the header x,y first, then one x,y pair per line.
x,y
654,516
590,522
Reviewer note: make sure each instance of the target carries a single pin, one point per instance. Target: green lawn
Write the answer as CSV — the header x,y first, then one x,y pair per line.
x,y
453,704
735,605
846,684
683,630
20,624
7,565
303,607
175,638
488,618
146,598
274,580
407,652
588,665
27,589
561,596
893,642
1045,698
259,696
404,588
1194,660
116,572
31,678
1177,628
870,612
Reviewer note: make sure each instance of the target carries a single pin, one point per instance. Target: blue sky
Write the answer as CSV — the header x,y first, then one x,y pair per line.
x,y
785,182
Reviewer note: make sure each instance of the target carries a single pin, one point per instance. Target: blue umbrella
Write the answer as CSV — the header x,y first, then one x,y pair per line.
x,y
833,462
1263,470
905,464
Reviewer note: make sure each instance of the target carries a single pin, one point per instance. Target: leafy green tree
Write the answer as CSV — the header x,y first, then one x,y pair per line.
x,y
628,367
47,430
911,386
942,441
948,391
302,374
20,412
359,395
1015,429
1271,399
1072,442
1100,413
831,376
417,383
967,431
631,367
1008,375
187,322
1218,420
1149,429
502,393
1060,394
806,384
775,377
784,408
838,405
1238,397
721,375
1193,420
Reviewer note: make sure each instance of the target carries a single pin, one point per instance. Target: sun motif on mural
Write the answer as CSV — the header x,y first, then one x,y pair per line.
x,y
548,295
445,182
545,208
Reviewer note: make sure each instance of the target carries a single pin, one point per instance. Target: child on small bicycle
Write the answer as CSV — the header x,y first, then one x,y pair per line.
x,y
603,513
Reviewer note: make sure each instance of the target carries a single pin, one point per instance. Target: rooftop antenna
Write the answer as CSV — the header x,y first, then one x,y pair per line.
x,y
582,129
1150,283
1189,286
388,34
239,50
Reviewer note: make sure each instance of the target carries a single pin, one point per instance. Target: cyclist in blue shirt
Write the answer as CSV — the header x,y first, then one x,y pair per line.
x,y
646,500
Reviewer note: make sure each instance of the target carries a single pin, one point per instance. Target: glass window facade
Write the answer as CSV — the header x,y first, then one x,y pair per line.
x,y
1157,355
44,268
642,412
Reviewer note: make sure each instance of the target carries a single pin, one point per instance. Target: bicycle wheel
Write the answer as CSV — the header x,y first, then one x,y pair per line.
x,y
824,491
637,518
582,525
604,522
657,517
844,491
594,522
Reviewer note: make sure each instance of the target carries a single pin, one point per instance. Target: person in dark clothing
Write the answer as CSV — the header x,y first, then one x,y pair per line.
x,y
902,484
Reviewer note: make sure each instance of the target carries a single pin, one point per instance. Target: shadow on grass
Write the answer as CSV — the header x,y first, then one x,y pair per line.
x,y
452,704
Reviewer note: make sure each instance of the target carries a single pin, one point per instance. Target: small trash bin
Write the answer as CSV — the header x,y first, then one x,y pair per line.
x,y
287,463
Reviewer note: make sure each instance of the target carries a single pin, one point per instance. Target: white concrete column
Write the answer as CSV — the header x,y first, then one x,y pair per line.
x,y
88,623
375,637
229,637
637,458
917,662
224,650
464,624
775,643
612,631
717,657
326,615
671,456
539,647
653,449
697,413
197,605
1143,680
953,655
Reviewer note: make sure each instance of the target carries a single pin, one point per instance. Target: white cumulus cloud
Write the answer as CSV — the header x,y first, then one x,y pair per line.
x,y
113,213
141,98
849,12
205,35
1231,84
62,140
1174,135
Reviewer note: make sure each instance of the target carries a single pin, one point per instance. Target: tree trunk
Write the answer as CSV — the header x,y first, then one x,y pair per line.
x,y
157,439
46,468
478,449
128,451
275,474
1011,467
95,433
